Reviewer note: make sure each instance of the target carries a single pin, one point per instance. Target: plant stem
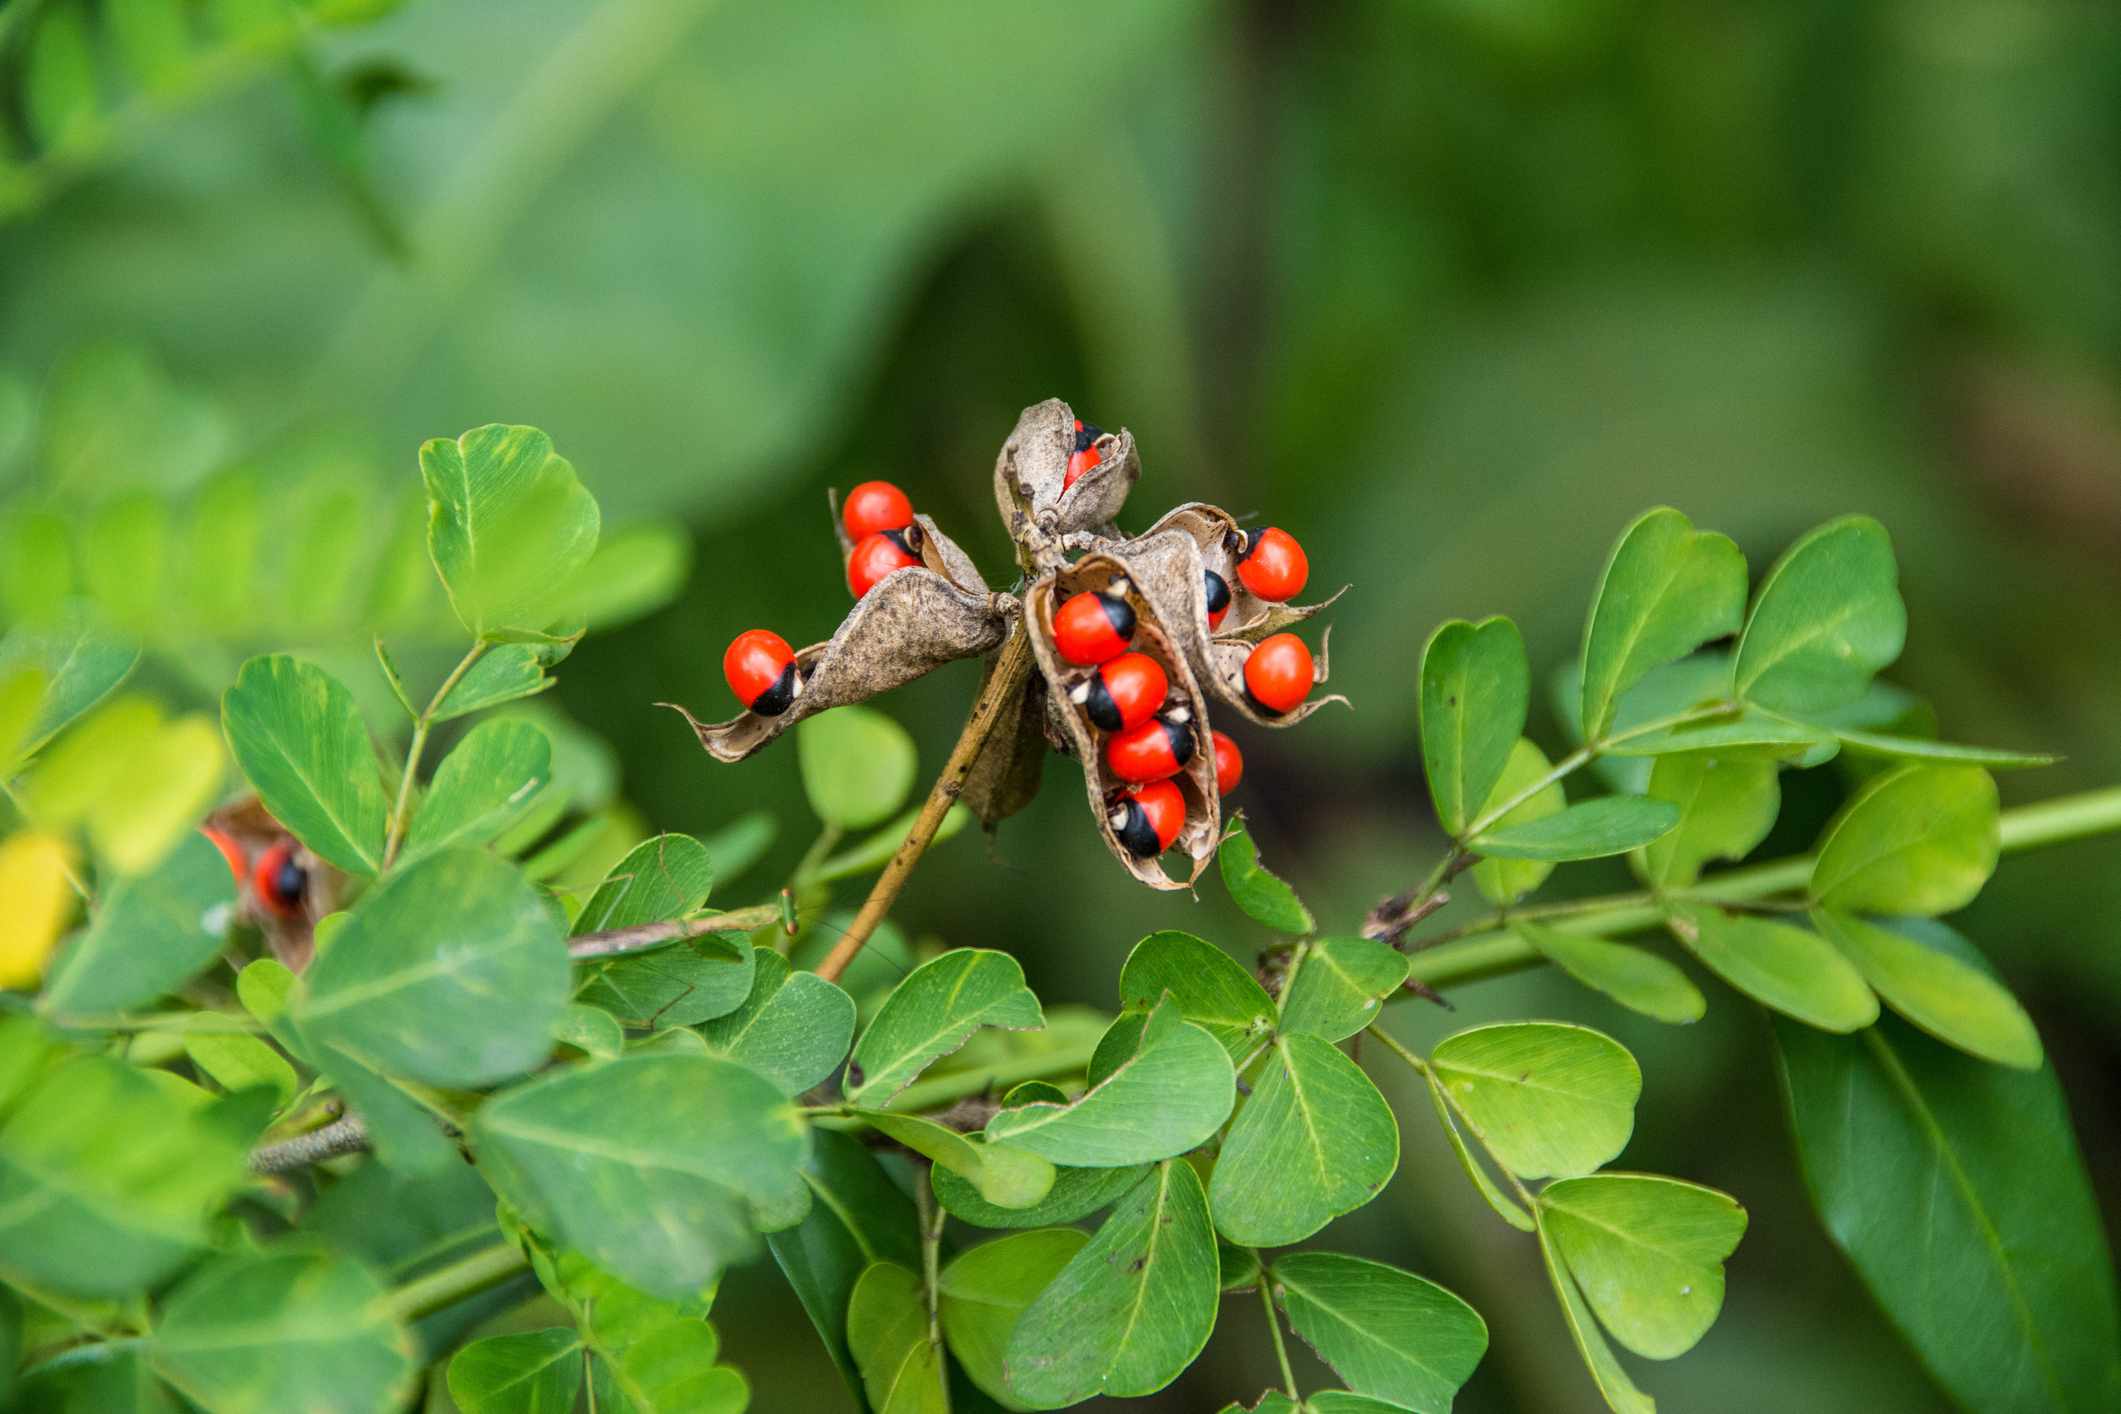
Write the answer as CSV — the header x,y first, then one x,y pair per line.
x,y
931,1220
1496,951
342,1136
467,1276
617,942
401,810
996,701
1281,1350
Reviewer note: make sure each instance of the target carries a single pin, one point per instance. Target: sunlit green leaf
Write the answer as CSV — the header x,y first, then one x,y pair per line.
x,y
530,1372
1920,840
148,936
236,1061
505,672
1589,829
1637,979
935,1011
1611,1377
793,1028
1502,1204
1667,589
481,788
1911,748
1340,987
1646,1252
985,1290
1388,1333
510,527
1726,805
1212,989
1504,881
1313,1141
1545,1098
299,737
1476,686
1262,895
1779,965
81,665
1913,969
1827,617
887,1332
857,766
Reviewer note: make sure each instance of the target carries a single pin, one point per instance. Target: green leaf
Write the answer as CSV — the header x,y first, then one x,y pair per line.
x,y
857,766
505,672
21,698
1621,1395
1004,1175
109,1181
1751,734
291,1329
660,879
531,1372
1910,748
1315,1140
1638,980
1910,964
10,1340
1667,589
1275,1402
1170,1096
1212,989
1076,1192
236,1062
1920,840
887,1331
1340,1401
1779,965
743,842
406,1133
1505,1207
299,737
1340,987
1388,1333
1727,805
1647,1253
688,982
509,528
1546,1098
1476,686
1262,896
793,1028
1663,692
1589,829
151,934
935,1011
1956,1189
1827,617
1504,881
481,788
591,1030
652,1165
860,1217
451,971
81,666
107,1377
874,850
1132,1309
986,1289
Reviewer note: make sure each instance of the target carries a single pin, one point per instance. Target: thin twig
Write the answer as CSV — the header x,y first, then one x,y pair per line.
x,y
1281,1350
617,942
997,700
401,809
341,1136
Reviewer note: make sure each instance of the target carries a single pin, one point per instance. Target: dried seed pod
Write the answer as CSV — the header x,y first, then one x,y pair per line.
x,y
1005,775
1196,782
1031,474
1212,530
937,550
907,626
1226,675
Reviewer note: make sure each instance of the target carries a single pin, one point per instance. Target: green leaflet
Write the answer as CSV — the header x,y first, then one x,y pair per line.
x,y
1589,829
1212,989
1726,807
481,788
1667,589
505,672
111,1377
1503,1206
509,528
1827,617
1638,979
986,1289
236,1062
1911,964
1647,1253
857,766
935,1011
1264,897
531,1372
150,935
1476,687
859,1217
793,1028
1621,1395
1340,987
1910,748
887,1331
687,982
295,731
1314,1141
1006,1176
1546,1098
1504,881
1388,1333
79,665
1779,965
1920,840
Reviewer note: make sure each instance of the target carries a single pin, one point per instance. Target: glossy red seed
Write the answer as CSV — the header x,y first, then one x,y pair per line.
x,y
1229,764
1279,673
1274,566
1092,628
1165,807
278,881
878,555
230,850
755,663
874,506
1135,687
1151,751
1078,463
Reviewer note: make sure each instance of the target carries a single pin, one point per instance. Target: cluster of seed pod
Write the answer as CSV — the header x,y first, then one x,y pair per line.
x,y
1130,637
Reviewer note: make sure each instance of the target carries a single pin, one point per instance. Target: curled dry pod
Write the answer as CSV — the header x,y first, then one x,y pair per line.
x,y
937,550
1226,675
1196,782
1005,775
1030,475
909,625
1212,529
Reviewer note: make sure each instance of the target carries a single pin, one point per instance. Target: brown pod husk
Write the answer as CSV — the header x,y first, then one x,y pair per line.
x,y
1210,528
937,550
1033,468
1203,827
1005,776
911,623
1226,674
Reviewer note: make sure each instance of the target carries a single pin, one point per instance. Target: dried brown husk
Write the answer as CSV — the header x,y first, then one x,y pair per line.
x,y
912,622
1005,776
1032,470
1210,528
1226,674
937,550
1203,827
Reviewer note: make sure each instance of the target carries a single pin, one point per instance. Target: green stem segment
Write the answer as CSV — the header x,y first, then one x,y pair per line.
x,y
1281,1349
467,1276
401,810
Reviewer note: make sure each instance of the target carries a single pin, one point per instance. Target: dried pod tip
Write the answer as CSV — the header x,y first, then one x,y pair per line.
x,y
1089,629
760,669
1229,763
1085,454
1272,565
875,506
1218,599
1122,693
1279,674
1146,820
1154,750
880,554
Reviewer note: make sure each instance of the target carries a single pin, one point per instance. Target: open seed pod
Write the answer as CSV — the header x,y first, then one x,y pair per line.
x,y
1226,674
913,622
937,550
1005,776
1196,783
1215,531
1033,468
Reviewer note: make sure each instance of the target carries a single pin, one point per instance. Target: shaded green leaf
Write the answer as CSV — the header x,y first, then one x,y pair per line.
x,y
857,766
793,1028
1340,1401
1388,1333
935,1011
235,1061
1827,617
106,1377
860,1217
509,528
406,1134
1611,1377
1504,881
1589,829
481,788
590,1030
887,1331
1314,1140
530,1372
1340,987
150,935
1476,686
684,984
985,1290
1920,840
1638,980
1546,1098
1910,963
505,672
295,731
1085,1335
1262,896
1503,1205
1911,748
1667,589
1779,965
1076,1194
1004,1175
1647,1253
1213,990
1726,806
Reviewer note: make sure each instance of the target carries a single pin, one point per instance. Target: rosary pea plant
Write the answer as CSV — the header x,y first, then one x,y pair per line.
x,y
357,1096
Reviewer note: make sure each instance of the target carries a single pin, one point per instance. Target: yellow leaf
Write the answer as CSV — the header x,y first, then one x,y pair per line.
x,y
91,761
21,694
172,780
33,869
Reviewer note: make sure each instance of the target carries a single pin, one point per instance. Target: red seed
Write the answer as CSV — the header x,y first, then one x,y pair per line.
x,y
1229,764
279,881
1093,628
1124,692
878,555
1279,674
874,506
1155,749
1274,566
759,667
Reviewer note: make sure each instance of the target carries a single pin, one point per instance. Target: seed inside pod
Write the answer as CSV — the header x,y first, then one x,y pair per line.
x,y
1122,693
1218,598
1153,751
1147,819
1094,627
1279,674
880,554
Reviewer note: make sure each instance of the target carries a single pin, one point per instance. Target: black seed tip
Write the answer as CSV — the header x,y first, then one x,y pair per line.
x,y
1178,730
1095,698
777,698
1120,614
1131,827
1085,434
1218,593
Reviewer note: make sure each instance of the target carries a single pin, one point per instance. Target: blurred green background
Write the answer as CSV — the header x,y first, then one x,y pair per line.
x,y
1448,288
